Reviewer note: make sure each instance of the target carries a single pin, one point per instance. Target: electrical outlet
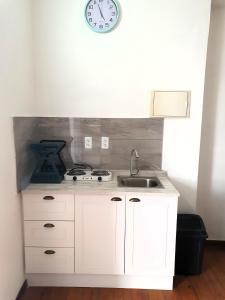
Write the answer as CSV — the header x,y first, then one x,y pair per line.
x,y
105,142
88,142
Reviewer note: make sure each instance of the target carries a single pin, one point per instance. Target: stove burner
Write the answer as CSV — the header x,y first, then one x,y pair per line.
x,y
76,172
100,173
82,166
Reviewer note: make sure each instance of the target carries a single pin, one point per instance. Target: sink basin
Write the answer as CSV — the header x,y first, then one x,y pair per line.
x,y
139,181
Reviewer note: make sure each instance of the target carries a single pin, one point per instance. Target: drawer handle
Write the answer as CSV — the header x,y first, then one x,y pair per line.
x,y
135,200
116,199
48,198
49,252
49,225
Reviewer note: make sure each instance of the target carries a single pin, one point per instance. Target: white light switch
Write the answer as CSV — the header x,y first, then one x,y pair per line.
x,y
88,142
105,142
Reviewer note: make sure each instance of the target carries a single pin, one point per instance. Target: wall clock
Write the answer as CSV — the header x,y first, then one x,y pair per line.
x,y
102,15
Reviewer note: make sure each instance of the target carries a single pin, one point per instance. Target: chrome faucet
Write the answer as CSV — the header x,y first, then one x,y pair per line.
x,y
133,153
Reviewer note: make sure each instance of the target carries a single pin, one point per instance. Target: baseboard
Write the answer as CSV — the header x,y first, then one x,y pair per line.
x,y
106,281
215,243
22,290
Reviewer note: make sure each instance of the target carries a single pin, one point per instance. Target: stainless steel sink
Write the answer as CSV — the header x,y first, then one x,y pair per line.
x,y
139,181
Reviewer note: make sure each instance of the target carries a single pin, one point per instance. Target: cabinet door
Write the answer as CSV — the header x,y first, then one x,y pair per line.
x,y
99,234
150,235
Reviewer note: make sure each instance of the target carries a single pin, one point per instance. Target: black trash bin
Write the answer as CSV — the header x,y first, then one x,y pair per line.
x,y
191,235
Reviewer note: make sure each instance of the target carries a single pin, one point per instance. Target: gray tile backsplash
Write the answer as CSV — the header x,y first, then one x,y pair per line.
x,y
145,135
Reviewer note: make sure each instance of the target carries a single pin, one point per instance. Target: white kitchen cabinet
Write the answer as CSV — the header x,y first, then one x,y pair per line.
x,y
49,232
100,238
150,235
99,234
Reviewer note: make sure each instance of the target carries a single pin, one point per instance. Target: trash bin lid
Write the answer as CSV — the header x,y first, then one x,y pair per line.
x,y
191,225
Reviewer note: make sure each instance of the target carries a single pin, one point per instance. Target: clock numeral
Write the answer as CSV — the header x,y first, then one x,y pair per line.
x,y
90,19
111,20
111,7
106,24
90,6
94,24
89,14
113,13
100,26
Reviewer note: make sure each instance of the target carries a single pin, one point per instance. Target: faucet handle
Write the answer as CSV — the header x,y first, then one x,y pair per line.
x,y
135,152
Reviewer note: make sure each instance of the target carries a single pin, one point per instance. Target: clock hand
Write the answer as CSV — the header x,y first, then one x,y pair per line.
x,y
101,13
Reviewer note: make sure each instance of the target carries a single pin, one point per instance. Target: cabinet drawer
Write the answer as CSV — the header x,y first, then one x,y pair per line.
x,y
49,260
49,233
48,206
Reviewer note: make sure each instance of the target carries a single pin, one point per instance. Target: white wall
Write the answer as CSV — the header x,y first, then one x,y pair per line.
x,y
211,189
157,45
16,96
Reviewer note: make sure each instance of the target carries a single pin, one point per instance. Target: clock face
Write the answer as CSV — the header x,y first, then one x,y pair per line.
x,y
102,15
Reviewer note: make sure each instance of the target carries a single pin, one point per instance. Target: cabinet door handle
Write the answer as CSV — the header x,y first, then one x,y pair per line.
x,y
49,225
135,200
48,198
49,252
116,199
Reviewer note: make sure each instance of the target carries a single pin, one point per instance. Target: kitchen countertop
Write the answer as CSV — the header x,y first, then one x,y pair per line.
x,y
91,187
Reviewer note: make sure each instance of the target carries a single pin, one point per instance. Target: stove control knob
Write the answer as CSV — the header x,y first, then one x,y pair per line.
x,y
100,178
74,178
